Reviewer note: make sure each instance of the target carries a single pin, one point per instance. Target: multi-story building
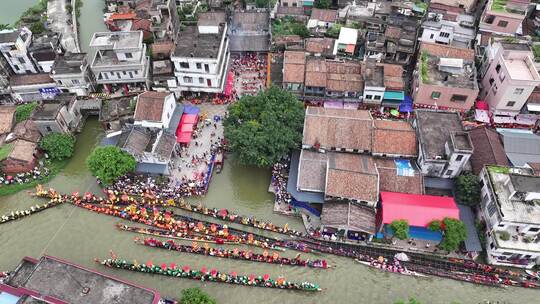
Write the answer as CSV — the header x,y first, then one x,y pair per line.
x,y
14,46
444,148
61,115
503,17
459,33
71,73
201,57
43,50
154,110
509,77
383,84
510,209
5,74
445,77
120,59
465,5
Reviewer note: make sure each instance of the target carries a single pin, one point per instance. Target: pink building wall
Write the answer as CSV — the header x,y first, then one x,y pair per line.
x,y
422,96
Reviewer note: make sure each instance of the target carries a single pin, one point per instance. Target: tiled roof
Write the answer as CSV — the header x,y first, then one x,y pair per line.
x,y
348,216
312,171
23,150
393,32
320,45
150,106
325,15
162,49
165,146
393,76
339,128
535,167
30,79
7,118
344,76
294,65
352,176
446,51
488,149
316,72
27,130
389,180
394,137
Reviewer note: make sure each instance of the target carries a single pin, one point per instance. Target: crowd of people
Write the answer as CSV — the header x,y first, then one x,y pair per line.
x,y
148,186
249,73
24,178
279,182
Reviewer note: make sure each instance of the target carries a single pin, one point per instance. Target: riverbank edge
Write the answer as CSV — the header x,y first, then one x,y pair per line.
x,y
55,168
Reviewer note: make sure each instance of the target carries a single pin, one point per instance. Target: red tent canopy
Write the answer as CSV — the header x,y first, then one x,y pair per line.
x,y
482,105
419,210
229,84
183,138
186,128
189,119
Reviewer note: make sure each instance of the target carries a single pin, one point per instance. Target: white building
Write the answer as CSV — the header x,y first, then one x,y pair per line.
x,y
509,77
459,33
72,73
120,59
201,55
14,46
511,210
154,109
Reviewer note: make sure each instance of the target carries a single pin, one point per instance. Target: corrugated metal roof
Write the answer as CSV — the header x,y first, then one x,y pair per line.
x,y
521,147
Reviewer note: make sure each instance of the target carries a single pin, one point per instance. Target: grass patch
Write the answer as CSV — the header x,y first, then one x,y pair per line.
x,y
5,150
24,111
536,51
424,67
289,26
54,167
499,5
497,169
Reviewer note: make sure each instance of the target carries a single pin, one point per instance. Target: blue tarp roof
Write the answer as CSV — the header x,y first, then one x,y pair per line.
x,y
406,105
302,196
472,243
191,109
416,232
394,95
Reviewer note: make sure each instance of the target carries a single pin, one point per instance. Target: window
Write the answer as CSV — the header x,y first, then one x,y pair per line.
x,y
377,97
491,81
60,82
431,36
209,82
201,80
444,34
458,98
498,68
369,96
534,229
75,81
199,65
129,55
494,89
187,79
459,157
124,72
435,95
489,19
285,4
449,172
21,60
16,68
48,129
502,23
130,74
184,65
519,91
206,68
118,74
492,208
510,103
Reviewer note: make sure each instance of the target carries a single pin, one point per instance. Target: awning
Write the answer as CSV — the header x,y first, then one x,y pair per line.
x,y
186,128
189,119
183,137
350,48
229,83
191,109
394,95
482,105
533,107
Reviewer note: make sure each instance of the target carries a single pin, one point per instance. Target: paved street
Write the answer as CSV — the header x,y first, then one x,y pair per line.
x,y
60,22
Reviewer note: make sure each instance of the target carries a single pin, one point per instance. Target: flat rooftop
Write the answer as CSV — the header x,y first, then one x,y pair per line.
x,y
69,63
520,70
117,40
463,76
191,43
434,129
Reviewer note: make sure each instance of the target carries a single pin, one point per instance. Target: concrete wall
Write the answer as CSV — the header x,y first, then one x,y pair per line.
x,y
423,95
514,22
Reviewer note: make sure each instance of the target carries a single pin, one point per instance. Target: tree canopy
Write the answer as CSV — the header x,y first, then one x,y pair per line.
x,y
23,112
323,4
58,146
196,296
455,232
468,189
435,225
108,163
401,229
261,129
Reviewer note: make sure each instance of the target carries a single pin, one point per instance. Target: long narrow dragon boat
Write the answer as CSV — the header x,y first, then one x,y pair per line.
x,y
236,254
18,214
209,276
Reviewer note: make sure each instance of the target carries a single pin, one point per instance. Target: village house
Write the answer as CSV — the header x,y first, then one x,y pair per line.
x,y
320,47
249,32
120,60
61,115
291,3
383,84
43,51
115,5
509,77
201,57
511,212
488,149
522,147
162,66
297,13
346,42
465,5
459,33
72,74
444,148
294,66
5,75
445,77
21,158
24,130
32,87
502,17
322,19
14,46
154,110
116,113
7,120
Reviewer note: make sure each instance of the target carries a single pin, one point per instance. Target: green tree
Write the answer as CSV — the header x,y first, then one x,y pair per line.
x,y
411,301
23,112
333,32
323,4
435,225
401,229
468,189
108,163
5,26
300,29
37,28
262,129
58,146
195,296
455,232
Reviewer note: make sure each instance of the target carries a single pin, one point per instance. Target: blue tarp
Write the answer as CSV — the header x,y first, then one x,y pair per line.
x,y
191,109
416,232
394,95
406,105
403,167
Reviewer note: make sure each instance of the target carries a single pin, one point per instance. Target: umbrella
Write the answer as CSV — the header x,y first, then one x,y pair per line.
x,y
213,272
251,277
164,266
149,264
203,269
186,268
394,112
173,266
402,257
234,274
266,277
223,212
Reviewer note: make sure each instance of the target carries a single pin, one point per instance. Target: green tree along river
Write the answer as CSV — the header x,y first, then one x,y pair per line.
x,y
80,236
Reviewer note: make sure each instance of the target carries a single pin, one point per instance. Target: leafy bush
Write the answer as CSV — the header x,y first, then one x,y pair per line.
x,y
435,225
195,296
468,189
455,232
401,229
503,235
424,67
109,163
24,111
58,146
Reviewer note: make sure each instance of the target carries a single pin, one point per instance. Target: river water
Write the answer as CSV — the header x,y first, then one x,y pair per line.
x,y
80,236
